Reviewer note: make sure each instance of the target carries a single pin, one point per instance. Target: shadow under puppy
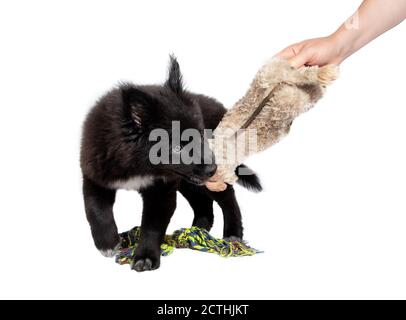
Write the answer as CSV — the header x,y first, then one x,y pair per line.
x,y
115,154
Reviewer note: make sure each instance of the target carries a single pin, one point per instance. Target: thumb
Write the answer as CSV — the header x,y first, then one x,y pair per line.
x,y
299,60
287,54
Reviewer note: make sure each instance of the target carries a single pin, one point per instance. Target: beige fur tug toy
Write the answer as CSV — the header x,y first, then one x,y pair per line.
x,y
278,94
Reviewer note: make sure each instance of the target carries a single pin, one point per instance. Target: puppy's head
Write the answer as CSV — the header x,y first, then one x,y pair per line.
x,y
167,124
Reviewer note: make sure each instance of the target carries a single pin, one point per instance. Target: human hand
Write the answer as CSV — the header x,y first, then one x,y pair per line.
x,y
216,184
319,51
372,18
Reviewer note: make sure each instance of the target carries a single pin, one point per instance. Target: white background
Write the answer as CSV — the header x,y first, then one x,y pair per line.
x,y
332,217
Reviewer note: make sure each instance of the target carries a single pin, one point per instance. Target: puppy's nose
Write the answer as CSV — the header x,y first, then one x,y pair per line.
x,y
209,170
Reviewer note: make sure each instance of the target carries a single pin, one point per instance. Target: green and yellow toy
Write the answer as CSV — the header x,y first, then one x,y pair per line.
x,y
193,238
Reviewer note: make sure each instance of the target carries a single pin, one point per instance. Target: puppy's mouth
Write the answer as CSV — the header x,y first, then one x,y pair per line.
x,y
197,180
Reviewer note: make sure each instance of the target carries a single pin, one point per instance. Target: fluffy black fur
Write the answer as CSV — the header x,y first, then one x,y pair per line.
x,y
115,147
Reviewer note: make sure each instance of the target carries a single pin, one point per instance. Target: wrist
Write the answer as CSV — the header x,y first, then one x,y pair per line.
x,y
344,41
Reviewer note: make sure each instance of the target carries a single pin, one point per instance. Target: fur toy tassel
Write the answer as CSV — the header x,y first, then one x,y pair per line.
x,y
278,94
192,238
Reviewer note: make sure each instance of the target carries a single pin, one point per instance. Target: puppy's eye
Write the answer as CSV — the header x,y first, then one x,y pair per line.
x,y
177,149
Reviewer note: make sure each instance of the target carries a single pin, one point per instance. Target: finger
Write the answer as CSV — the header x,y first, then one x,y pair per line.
x,y
216,186
298,61
291,51
286,53
214,178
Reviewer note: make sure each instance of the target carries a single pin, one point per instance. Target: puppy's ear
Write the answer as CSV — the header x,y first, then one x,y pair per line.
x,y
138,105
174,81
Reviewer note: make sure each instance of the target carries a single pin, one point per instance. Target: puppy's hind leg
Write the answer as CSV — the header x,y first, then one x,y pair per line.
x,y
99,203
201,204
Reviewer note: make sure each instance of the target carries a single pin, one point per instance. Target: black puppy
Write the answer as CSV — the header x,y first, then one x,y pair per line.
x,y
116,153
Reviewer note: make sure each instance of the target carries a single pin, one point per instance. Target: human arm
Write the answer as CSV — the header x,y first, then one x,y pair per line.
x,y
373,18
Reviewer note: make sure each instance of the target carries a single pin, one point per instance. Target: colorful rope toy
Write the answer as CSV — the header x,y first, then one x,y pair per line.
x,y
193,238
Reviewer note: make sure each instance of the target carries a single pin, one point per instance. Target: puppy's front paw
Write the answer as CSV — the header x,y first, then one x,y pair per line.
x,y
203,223
233,239
109,253
145,263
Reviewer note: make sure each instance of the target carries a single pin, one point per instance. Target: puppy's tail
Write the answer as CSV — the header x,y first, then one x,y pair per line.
x,y
248,178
